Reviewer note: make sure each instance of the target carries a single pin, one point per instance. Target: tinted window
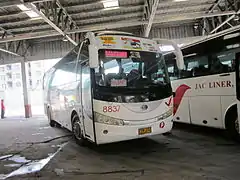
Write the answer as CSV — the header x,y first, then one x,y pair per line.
x,y
216,56
83,59
195,66
66,69
171,66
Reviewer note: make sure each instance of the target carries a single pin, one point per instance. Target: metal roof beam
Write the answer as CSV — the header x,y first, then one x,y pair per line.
x,y
214,6
104,26
220,23
10,3
9,52
225,22
63,18
151,6
5,35
119,24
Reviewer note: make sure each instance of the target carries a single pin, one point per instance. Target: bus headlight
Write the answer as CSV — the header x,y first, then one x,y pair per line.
x,y
166,114
100,118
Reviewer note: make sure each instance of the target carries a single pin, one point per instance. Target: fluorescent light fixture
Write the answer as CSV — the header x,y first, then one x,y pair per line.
x,y
189,55
23,7
111,8
167,48
110,4
233,46
28,11
229,36
32,14
222,55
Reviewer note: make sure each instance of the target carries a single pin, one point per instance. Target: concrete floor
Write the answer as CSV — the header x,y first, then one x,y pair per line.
x,y
189,153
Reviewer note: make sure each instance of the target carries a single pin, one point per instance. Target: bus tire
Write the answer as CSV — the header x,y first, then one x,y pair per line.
x,y
77,132
51,122
232,123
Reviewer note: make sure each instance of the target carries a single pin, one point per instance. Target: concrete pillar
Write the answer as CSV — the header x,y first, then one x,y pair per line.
x,y
27,105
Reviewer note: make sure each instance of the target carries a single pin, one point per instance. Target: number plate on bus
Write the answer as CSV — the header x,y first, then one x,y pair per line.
x,y
146,130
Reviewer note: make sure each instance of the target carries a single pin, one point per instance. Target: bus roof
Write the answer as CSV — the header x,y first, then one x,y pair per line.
x,y
213,36
124,41
101,33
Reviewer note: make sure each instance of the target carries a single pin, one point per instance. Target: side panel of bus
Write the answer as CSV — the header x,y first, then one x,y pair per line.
x,y
200,102
46,80
204,95
62,90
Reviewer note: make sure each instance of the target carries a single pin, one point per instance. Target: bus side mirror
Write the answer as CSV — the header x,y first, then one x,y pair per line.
x,y
93,56
177,51
179,55
179,59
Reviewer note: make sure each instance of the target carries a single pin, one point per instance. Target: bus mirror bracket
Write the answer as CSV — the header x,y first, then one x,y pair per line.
x,y
174,94
93,51
93,56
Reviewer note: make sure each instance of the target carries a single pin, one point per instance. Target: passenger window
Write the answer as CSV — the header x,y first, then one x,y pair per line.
x,y
64,75
172,68
83,59
86,81
195,66
227,60
65,70
47,77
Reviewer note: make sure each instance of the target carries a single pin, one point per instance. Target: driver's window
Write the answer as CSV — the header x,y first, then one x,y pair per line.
x,y
83,57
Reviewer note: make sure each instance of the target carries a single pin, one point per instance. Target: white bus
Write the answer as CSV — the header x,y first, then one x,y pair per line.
x,y
111,87
207,89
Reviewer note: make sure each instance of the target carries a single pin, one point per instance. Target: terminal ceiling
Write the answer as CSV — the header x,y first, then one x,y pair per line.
x,y
26,22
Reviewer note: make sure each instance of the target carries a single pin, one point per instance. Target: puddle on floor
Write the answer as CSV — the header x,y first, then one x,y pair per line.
x,y
32,166
18,159
55,145
12,165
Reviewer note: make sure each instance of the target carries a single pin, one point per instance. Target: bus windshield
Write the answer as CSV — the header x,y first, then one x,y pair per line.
x,y
124,73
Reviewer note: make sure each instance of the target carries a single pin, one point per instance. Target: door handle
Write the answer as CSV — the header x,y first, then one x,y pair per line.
x,y
224,75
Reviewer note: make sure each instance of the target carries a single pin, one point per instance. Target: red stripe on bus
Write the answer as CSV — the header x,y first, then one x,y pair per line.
x,y
179,93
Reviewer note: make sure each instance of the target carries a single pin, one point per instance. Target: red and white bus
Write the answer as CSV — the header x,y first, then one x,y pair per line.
x,y
112,87
207,90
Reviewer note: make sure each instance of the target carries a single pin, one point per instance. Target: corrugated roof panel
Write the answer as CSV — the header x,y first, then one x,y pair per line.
x,y
102,13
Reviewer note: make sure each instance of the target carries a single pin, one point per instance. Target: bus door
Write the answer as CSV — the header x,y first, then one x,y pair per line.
x,y
86,92
238,86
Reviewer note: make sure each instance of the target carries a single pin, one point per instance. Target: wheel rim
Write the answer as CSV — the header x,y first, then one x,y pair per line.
x,y
237,125
77,130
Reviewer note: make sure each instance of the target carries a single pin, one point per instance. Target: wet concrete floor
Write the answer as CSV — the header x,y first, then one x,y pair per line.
x,y
188,153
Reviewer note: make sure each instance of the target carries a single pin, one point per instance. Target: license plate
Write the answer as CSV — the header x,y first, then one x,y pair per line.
x,y
146,130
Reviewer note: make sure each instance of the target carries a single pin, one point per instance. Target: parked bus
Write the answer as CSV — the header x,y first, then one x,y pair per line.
x,y
207,89
111,87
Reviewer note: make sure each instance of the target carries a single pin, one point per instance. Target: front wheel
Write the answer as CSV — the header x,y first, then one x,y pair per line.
x,y
77,131
233,125
51,122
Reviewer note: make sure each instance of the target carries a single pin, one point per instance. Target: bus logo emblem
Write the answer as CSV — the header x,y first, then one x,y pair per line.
x,y
144,107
